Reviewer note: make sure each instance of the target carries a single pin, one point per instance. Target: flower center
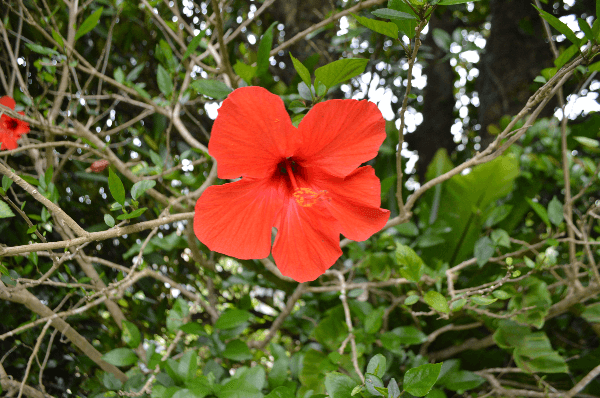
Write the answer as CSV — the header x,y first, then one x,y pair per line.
x,y
304,196
11,124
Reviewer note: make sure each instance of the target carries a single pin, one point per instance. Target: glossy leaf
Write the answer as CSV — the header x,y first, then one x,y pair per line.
x,y
232,318
436,301
89,23
339,385
418,381
388,13
385,28
165,84
559,25
302,71
140,187
264,49
115,185
555,211
340,71
377,366
130,334
120,357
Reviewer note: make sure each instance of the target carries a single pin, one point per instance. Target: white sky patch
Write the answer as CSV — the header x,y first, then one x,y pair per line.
x,y
578,105
212,109
344,25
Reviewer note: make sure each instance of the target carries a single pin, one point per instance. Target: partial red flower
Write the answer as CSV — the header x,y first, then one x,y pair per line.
x,y
306,181
11,128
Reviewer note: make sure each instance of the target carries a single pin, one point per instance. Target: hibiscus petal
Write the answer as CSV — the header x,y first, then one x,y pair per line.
x,y
8,141
236,218
8,102
251,134
354,201
307,242
339,135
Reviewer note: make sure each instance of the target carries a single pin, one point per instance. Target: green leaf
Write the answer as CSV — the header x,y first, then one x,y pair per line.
x,y
5,210
165,84
555,211
436,301
133,214
388,13
119,75
385,28
264,50
237,350
193,44
534,353
452,2
539,210
89,23
401,336
115,185
500,238
281,392
111,382
411,265
6,183
566,55
464,380
109,220
140,187
41,49
58,38
188,364
306,93
586,29
135,72
232,318
244,71
121,357
412,299
192,328
373,383
130,334
211,88
559,25
484,249
374,320
458,304
418,381
176,315
480,300
377,366
407,26
393,389
340,70
302,71
442,39
339,385
498,214
592,313
588,142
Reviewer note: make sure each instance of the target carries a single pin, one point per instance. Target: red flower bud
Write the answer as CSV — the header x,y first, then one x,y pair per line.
x,y
99,165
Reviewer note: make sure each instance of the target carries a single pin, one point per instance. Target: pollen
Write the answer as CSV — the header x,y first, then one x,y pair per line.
x,y
306,197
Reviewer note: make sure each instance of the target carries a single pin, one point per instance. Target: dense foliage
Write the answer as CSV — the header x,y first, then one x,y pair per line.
x,y
484,281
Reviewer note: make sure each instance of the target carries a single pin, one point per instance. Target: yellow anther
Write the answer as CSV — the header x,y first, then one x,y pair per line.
x,y
306,197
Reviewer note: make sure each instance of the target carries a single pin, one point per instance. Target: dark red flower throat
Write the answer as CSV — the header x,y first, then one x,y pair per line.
x,y
304,196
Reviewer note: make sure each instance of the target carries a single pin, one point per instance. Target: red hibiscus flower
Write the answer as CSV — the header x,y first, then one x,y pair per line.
x,y
11,128
303,181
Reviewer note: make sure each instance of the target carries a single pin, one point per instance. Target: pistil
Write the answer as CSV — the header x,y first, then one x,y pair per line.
x,y
288,168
